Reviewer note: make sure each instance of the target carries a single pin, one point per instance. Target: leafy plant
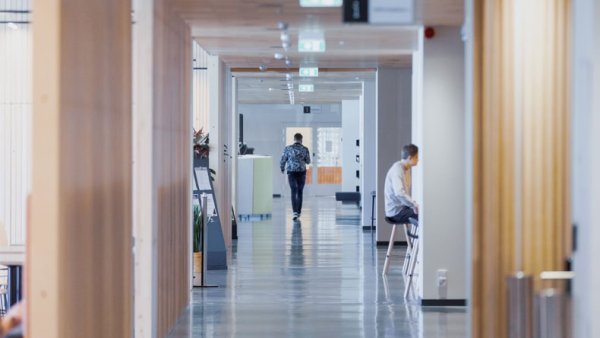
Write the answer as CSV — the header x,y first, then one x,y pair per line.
x,y
200,144
198,225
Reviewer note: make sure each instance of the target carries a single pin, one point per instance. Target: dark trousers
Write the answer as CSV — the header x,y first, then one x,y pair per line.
x,y
403,217
297,180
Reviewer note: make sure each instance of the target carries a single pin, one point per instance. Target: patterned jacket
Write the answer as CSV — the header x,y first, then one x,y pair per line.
x,y
296,156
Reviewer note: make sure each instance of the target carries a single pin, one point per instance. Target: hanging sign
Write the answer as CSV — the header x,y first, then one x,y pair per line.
x,y
383,12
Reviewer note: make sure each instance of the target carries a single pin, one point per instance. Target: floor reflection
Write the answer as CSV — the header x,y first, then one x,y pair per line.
x,y
317,277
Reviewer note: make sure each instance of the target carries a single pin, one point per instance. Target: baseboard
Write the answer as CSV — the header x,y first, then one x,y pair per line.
x,y
386,243
443,302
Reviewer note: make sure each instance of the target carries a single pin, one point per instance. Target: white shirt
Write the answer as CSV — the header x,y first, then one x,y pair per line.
x,y
397,188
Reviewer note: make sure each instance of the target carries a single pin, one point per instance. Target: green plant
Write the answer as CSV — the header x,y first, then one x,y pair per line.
x,y
198,225
200,144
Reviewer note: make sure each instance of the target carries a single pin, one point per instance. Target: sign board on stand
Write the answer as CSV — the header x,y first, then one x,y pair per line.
x,y
215,250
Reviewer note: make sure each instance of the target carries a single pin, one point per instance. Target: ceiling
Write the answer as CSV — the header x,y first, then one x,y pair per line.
x,y
245,34
330,87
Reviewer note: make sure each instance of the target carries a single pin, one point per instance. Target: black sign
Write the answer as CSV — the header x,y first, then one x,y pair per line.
x,y
306,109
356,11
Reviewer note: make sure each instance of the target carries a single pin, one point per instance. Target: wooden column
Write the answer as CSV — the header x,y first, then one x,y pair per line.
x,y
79,240
172,162
162,170
521,138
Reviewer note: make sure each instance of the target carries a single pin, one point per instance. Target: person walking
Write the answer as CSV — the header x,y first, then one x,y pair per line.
x,y
399,205
294,160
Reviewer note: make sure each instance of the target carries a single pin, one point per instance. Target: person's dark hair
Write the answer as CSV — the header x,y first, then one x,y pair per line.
x,y
409,150
297,137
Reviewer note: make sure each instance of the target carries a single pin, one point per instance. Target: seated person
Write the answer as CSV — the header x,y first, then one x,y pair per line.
x,y
12,319
400,208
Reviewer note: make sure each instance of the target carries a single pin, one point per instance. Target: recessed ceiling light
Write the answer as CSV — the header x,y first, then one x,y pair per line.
x,y
321,3
12,25
312,41
308,71
278,56
306,88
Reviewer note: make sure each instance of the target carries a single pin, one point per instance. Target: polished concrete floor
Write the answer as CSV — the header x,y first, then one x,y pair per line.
x,y
319,277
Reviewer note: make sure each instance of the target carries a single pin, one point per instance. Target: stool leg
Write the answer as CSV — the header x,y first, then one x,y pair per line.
x,y
408,254
389,251
413,263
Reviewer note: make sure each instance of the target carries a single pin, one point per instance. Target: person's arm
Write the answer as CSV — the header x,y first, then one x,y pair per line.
x,y
283,160
400,191
307,156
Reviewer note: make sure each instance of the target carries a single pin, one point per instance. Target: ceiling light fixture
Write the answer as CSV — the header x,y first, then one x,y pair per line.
x,y
306,88
311,41
321,3
308,72
282,25
278,56
12,26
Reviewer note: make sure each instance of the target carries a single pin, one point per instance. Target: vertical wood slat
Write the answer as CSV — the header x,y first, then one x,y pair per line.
x,y
527,51
79,247
172,74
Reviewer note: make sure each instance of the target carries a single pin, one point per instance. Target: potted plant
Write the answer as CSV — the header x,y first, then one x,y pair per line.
x,y
200,144
197,243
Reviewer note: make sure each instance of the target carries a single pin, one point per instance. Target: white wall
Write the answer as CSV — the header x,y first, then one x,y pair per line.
x,y
394,118
264,130
368,148
350,133
220,129
586,166
15,129
440,178
200,81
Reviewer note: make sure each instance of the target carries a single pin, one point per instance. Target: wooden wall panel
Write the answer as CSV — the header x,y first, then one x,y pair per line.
x,y
79,248
162,167
520,197
172,162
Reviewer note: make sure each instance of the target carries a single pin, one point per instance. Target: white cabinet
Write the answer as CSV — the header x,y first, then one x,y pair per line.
x,y
255,185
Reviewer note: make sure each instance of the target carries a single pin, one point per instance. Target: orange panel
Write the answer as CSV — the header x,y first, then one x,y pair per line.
x,y
329,175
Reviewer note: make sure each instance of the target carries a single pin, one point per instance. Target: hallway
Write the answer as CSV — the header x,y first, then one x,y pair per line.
x,y
320,277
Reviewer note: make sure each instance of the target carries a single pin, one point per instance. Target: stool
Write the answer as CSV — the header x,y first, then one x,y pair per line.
x,y
412,250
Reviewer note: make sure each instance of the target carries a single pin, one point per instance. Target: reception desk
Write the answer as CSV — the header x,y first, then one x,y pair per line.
x,y
255,185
